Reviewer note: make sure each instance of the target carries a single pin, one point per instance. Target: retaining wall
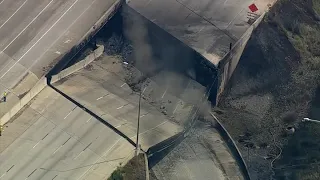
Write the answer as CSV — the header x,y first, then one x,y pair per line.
x,y
233,148
230,61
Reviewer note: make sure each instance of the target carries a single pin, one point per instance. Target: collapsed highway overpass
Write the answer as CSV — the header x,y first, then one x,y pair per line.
x,y
217,29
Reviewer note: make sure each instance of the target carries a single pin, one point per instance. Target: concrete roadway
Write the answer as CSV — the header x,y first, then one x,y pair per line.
x,y
108,96
35,34
52,139
203,154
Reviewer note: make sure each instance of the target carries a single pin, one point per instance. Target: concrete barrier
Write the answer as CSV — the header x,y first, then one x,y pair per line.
x,y
230,61
42,83
79,65
102,21
147,165
234,148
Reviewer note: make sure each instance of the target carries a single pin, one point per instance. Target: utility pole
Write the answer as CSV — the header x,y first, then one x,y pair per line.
x,y
138,126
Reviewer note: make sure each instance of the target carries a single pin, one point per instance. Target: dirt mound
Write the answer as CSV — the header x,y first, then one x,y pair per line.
x,y
273,88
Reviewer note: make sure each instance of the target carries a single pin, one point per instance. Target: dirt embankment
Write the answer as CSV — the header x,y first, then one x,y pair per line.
x,y
135,169
273,88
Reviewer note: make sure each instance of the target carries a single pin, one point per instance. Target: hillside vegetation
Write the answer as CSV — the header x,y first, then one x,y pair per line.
x,y
276,85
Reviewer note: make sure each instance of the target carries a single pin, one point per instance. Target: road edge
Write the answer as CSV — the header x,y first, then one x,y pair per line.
x,y
236,152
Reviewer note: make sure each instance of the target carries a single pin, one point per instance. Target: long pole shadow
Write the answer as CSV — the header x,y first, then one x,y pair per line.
x,y
49,77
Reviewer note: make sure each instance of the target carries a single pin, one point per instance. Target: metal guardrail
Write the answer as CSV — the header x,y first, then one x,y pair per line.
x,y
234,149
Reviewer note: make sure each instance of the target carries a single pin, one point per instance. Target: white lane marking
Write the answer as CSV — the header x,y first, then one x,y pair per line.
x,y
123,106
58,52
120,107
78,155
201,29
176,107
1,2
99,98
70,112
123,84
28,25
13,13
89,119
102,97
39,39
235,17
61,145
144,115
3,175
121,125
144,90
67,41
164,93
67,115
57,149
36,144
34,62
99,159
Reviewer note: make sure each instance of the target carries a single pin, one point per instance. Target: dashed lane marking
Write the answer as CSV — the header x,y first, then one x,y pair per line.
x,y
70,112
164,93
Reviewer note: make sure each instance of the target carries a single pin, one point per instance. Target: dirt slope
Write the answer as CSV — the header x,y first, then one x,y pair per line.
x,y
273,88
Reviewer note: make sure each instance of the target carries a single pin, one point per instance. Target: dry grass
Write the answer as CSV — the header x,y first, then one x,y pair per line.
x,y
290,81
133,170
316,6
